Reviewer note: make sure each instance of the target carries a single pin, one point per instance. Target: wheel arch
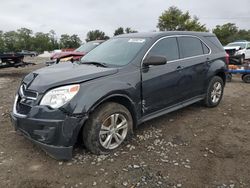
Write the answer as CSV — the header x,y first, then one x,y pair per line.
x,y
120,99
221,74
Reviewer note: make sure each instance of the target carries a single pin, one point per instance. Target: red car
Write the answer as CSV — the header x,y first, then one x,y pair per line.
x,y
78,53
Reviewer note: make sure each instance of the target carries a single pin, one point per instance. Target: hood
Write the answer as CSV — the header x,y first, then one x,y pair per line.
x,y
66,54
232,47
64,73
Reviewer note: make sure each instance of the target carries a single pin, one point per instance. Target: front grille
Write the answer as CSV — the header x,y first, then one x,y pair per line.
x,y
230,52
24,93
22,108
24,100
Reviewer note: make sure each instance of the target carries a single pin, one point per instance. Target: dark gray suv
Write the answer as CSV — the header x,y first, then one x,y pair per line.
x,y
125,81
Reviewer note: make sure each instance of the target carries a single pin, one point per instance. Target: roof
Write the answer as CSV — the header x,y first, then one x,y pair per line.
x,y
165,33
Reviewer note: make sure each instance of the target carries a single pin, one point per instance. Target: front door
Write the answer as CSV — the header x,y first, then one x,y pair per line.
x,y
160,84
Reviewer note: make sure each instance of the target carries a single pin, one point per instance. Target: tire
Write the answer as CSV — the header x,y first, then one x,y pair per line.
x,y
100,136
246,78
242,59
214,92
229,77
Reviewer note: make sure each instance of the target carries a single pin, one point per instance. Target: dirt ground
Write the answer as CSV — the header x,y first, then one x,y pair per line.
x,y
193,147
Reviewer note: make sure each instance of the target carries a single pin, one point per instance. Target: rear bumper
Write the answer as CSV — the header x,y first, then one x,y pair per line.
x,y
55,137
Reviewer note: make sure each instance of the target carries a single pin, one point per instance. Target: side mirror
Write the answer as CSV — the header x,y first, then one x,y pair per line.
x,y
155,60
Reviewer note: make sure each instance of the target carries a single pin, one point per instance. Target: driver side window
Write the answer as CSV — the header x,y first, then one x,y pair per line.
x,y
167,47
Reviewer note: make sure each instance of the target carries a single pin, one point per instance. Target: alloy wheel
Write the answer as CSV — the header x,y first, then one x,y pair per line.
x,y
113,131
216,92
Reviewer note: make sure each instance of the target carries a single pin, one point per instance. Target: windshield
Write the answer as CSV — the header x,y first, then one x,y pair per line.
x,y
116,51
87,47
241,44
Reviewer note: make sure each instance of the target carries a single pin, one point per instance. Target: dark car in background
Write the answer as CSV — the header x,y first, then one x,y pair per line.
x,y
122,83
77,53
28,53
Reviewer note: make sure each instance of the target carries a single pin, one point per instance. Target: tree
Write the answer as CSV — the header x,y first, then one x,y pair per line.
x,y
67,41
226,33
129,30
243,34
2,47
96,35
24,39
174,19
53,40
119,31
41,42
10,41
64,41
75,41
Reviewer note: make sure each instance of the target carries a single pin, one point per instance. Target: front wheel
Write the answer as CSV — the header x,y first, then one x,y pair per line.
x,y
242,59
214,92
107,128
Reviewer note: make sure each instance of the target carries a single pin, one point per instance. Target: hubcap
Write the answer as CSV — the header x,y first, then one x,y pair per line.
x,y
216,93
113,131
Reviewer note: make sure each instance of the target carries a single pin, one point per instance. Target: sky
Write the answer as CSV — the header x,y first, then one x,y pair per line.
x,y
81,16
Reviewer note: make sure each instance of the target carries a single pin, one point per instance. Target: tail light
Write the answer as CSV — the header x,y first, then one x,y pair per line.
x,y
227,58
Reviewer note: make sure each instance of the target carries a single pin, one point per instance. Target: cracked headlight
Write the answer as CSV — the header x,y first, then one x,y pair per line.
x,y
57,97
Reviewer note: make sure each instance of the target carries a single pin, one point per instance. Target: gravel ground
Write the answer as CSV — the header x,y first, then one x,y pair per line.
x,y
192,147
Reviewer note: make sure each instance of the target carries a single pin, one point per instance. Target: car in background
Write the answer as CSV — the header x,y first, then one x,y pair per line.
x,y
28,53
238,51
76,54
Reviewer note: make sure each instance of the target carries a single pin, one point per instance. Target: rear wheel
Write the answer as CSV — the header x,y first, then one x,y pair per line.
x,y
107,128
214,92
246,78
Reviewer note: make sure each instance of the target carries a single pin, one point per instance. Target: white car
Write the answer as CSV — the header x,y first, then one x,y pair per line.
x,y
238,51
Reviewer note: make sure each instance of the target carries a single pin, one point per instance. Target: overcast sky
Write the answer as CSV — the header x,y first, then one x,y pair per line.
x,y
80,16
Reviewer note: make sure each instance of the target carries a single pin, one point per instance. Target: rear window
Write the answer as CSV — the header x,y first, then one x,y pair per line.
x,y
205,49
215,41
190,46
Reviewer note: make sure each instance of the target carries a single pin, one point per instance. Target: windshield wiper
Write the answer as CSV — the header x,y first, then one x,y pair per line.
x,y
95,63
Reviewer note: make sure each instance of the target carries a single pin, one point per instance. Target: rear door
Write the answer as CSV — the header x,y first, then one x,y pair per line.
x,y
194,62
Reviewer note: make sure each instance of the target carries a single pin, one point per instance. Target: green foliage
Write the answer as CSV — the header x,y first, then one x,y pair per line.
x,y
120,31
96,35
2,47
11,41
24,39
229,32
174,19
129,30
243,35
67,41
41,42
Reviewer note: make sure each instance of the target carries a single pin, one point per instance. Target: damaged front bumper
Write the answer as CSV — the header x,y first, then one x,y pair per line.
x,y
53,130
